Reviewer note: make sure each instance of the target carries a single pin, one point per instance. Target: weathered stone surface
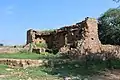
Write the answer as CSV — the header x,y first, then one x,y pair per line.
x,y
90,35
57,38
111,50
70,36
10,49
75,40
23,62
38,50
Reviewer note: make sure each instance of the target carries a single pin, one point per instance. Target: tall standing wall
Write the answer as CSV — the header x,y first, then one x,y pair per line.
x,y
90,36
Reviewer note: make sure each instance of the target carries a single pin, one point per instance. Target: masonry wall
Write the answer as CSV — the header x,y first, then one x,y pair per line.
x,y
90,35
56,39
75,39
69,36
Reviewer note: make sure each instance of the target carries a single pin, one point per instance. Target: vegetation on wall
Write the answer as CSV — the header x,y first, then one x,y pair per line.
x,y
49,30
41,45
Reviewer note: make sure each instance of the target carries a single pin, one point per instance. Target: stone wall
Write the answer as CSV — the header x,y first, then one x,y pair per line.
x,y
90,37
23,62
79,39
69,36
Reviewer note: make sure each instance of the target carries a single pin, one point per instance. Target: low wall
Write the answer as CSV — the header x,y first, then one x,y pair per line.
x,y
23,62
10,49
111,50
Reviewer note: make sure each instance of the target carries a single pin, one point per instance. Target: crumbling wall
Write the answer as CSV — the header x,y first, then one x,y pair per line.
x,y
79,39
111,50
84,39
57,38
90,37
70,36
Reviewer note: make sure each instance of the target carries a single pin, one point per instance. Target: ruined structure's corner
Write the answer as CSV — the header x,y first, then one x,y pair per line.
x,y
78,39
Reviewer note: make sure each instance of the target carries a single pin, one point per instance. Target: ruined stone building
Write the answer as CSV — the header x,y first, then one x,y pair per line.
x,y
75,39
83,33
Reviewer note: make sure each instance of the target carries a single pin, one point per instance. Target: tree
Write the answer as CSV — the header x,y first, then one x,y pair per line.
x,y
109,27
116,0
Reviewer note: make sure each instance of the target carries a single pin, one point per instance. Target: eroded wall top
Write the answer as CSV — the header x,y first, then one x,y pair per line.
x,y
83,34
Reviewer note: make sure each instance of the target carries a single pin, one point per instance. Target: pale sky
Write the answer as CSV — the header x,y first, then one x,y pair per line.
x,y
17,16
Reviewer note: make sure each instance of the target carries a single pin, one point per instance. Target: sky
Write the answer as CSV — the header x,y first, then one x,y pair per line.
x,y
18,16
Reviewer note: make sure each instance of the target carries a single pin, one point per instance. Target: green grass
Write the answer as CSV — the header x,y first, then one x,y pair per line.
x,y
34,73
57,70
2,69
28,56
20,56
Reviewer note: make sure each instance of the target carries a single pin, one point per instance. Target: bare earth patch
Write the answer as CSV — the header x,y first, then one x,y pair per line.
x,y
3,76
109,75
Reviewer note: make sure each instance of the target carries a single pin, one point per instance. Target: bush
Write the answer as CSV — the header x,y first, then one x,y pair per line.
x,y
54,51
109,27
41,45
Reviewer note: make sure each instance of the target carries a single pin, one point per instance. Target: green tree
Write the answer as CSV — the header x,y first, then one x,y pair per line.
x,y
116,0
109,26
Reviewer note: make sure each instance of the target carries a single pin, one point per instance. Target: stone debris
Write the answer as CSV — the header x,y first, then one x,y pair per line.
x,y
10,49
23,62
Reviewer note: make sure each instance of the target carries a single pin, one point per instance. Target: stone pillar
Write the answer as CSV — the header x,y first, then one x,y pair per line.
x,y
90,37
30,36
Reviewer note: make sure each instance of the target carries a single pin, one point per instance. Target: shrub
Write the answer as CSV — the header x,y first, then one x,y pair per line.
x,y
41,45
109,27
54,51
50,30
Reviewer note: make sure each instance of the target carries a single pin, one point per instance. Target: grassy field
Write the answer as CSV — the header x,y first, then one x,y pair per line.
x,y
55,70
28,56
36,73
